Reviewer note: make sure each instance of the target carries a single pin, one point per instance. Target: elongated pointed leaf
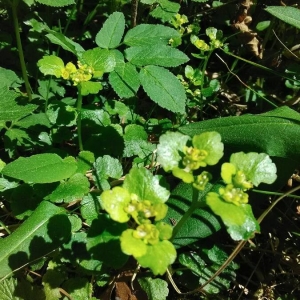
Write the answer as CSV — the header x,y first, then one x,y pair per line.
x,y
288,14
163,88
36,237
112,31
149,34
56,3
273,132
159,55
41,168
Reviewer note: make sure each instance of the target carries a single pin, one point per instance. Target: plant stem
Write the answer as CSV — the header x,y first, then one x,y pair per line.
x,y
20,49
187,214
134,9
79,106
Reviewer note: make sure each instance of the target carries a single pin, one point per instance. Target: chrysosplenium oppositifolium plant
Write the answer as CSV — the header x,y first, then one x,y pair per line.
x,y
141,200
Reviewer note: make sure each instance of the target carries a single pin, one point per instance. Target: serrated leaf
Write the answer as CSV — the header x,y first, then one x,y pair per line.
x,y
201,224
56,3
106,167
39,119
125,80
159,55
149,34
141,182
169,149
11,109
41,168
51,65
101,60
63,41
36,237
288,14
156,289
90,87
164,88
158,257
78,288
103,241
90,207
72,189
239,220
85,160
166,10
111,33
8,78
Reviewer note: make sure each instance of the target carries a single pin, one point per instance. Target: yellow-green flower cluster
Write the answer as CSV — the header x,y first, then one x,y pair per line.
x,y
194,158
77,75
142,211
148,233
233,194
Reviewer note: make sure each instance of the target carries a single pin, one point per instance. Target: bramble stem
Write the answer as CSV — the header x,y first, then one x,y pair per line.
x,y
20,49
79,106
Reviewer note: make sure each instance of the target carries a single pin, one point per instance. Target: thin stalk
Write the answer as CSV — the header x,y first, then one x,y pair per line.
x,y
20,49
203,71
79,106
187,214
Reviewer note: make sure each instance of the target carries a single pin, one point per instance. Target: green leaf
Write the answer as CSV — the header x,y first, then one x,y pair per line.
x,y
156,289
131,245
78,288
149,34
258,167
51,65
39,119
170,148
63,41
89,87
106,167
288,14
166,10
11,109
56,3
210,142
85,160
239,220
103,241
20,289
72,189
164,88
201,224
141,182
111,33
90,207
41,168
125,80
8,78
252,133
159,55
101,60
158,257
114,201
262,25
36,237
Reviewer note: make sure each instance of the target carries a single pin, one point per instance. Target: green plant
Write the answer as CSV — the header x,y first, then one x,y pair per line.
x,y
106,170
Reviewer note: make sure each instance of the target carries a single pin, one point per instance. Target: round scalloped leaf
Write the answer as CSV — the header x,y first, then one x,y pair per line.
x,y
114,201
141,182
165,230
131,245
51,65
227,170
156,289
158,257
258,167
239,220
169,149
210,142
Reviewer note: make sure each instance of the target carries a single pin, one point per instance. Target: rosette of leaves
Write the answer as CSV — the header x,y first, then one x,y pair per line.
x,y
244,171
181,155
142,199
